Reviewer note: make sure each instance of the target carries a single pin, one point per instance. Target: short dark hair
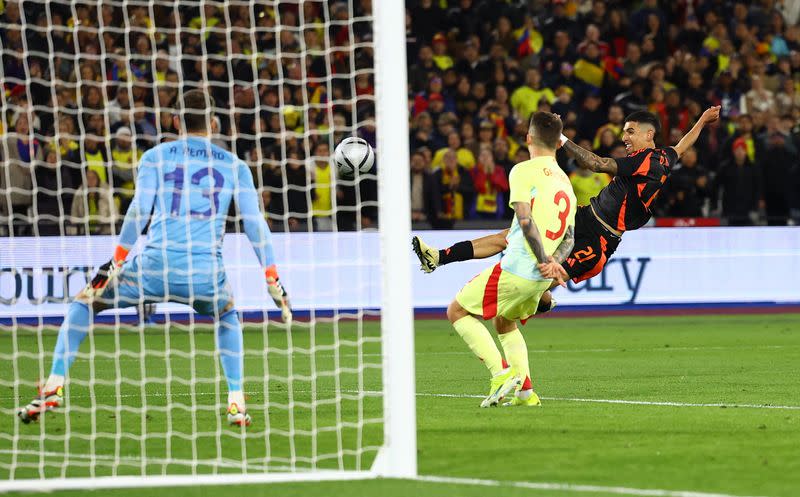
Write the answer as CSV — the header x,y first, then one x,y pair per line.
x,y
644,117
545,129
197,110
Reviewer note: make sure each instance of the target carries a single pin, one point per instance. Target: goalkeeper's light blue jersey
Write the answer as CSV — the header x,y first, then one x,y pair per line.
x,y
184,189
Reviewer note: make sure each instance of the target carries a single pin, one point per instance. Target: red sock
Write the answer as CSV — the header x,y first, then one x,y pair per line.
x,y
526,385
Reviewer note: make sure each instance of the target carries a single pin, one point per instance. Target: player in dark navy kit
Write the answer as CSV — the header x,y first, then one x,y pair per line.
x,y
623,205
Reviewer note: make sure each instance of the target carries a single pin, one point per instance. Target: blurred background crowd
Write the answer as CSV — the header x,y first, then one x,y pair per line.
x,y
88,86
478,69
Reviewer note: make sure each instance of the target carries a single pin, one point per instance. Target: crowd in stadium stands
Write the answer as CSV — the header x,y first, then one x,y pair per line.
x,y
90,86
478,69
84,98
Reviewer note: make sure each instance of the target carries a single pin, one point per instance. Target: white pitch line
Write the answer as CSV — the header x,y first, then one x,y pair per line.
x,y
376,393
570,487
626,402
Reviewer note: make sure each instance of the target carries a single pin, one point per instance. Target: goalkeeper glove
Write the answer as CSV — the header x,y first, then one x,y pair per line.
x,y
278,293
105,273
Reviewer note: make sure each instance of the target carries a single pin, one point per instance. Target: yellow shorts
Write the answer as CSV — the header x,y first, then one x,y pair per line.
x,y
495,292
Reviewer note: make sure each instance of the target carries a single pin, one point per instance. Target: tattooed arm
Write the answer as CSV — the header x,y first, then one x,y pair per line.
x,y
529,229
589,160
553,268
565,247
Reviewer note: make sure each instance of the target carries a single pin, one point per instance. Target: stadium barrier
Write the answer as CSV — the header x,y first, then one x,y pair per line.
x,y
652,266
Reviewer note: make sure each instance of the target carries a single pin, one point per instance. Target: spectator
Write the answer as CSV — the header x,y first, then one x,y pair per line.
x,y
464,157
470,64
616,118
759,99
53,194
561,52
423,70
93,206
501,155
124,159
486,136
587,184
525,99
688,188
420,187
491,183
788,98
16,172
422,131
592,116
323,187
740,187
298,192
468,139
779,165
745,132
441,58
453,192
426,18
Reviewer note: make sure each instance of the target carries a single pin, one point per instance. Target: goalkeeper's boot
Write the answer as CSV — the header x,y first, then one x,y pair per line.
x,y
532,401
428,256
237,417
505,382
45,401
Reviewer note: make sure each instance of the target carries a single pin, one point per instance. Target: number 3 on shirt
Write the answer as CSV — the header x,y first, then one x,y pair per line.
x,y
562,216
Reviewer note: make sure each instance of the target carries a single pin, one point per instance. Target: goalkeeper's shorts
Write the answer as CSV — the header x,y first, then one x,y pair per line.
x,y
144,279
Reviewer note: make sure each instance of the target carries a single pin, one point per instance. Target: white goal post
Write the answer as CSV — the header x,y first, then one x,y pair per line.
x,y
27,461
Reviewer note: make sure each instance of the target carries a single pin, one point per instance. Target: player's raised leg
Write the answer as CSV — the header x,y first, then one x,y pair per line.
x,y
430,258
480,248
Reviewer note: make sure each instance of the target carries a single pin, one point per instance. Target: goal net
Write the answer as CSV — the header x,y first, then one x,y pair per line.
x,y
89,86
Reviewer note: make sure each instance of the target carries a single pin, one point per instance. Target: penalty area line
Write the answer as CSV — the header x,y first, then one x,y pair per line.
x,y
570,487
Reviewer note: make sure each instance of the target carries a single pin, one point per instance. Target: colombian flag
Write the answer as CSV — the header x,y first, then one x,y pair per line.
x,y
529,41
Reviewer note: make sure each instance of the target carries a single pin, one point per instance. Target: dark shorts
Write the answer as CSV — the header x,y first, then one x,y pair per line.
x,y
594,244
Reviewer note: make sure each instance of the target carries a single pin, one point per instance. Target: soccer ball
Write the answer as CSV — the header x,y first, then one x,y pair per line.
x,y
353,153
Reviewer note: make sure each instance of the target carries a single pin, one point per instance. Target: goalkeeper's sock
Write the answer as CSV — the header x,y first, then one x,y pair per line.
x,y
236,397
516,352
461,251
481,343
73,330
229,344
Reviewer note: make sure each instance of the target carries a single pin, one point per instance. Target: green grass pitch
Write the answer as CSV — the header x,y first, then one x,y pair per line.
x,y
687,375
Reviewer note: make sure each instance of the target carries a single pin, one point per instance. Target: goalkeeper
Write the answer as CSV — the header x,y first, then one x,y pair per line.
x,y
183,189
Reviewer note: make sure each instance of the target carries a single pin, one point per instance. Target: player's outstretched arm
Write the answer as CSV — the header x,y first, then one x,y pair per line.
x,y
709,116
589,160
530,230
136,220
257,231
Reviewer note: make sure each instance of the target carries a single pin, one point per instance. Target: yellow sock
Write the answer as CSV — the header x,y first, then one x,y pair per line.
x,y
480,342
516,352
